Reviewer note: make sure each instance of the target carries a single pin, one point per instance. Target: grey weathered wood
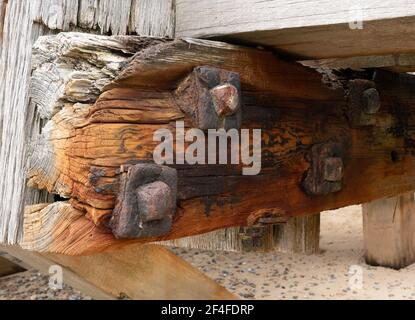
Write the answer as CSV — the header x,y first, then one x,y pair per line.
x,y
24,22
389,231
144,17
394,62
313,28
297,235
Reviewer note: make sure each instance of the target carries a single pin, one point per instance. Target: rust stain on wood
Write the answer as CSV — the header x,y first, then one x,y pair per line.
x,y
296,111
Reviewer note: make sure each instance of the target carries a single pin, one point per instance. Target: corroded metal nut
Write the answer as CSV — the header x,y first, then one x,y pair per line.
x,y
333,169
146,201
371,101
226,100
212,98
155,201
326,169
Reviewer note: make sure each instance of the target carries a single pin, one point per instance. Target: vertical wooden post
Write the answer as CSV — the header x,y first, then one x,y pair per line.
x,y
389,231
297,235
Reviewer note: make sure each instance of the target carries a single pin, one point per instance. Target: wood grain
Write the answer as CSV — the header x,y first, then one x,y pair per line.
x,y
21,23
388,229
79,157
314,29
399,63
138,272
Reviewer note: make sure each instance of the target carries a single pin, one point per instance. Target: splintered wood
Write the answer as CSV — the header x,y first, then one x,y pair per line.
x,y
21,23
110,95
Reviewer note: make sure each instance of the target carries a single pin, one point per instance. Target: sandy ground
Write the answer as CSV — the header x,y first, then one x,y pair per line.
x,y
338,272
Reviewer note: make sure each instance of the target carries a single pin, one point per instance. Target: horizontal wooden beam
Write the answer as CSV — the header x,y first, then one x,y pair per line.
x,y
314,29
327,140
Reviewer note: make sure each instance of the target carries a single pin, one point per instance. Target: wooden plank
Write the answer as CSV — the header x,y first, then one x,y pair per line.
x,y
8,268
395,63
86,149
389,231
315,29
138,272
42,263
303,114
144,17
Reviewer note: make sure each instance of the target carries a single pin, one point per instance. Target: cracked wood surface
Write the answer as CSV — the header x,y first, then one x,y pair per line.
x,y
83,146
21,23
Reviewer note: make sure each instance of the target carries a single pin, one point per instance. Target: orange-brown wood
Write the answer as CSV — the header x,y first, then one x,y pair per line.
x,y
294,107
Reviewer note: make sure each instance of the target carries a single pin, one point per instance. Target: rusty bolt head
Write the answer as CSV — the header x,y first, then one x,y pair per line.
x,y
226,99
333,169
371,101
155,201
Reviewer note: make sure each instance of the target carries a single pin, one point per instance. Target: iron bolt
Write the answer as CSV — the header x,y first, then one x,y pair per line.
x,y
155,201
333,169
226,99
371,101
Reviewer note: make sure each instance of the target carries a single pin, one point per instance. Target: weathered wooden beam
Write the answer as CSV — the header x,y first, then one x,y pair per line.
x,y
144,17
389,231
328,143
314,29
138,272
394,62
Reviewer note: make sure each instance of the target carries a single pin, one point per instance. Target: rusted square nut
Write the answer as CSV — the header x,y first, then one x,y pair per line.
x,y
326,169
212,98
155,201
146,202
364,102
333,169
